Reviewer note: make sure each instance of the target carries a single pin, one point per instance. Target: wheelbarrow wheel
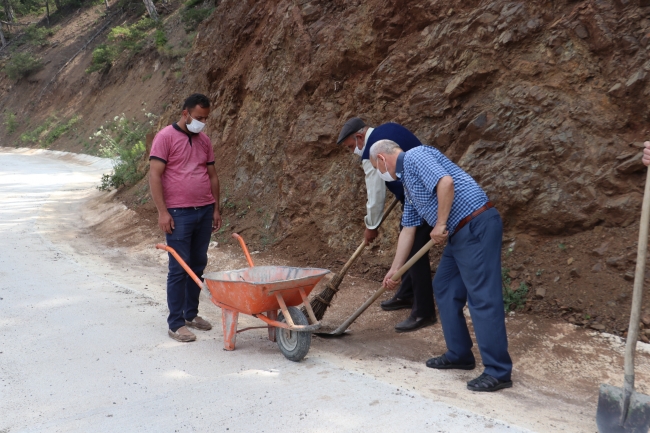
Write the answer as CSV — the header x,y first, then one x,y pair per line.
x,y
293,345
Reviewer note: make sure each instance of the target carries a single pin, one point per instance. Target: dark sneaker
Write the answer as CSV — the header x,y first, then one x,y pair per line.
x,y
182,334
199,323
396,304
442,363
412,324
487,383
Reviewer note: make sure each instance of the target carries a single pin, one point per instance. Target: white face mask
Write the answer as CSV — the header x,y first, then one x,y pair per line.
x,y
357,151
386,177
195,126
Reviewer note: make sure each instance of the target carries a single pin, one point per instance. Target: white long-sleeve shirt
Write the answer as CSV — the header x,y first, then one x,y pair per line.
x,y
376,190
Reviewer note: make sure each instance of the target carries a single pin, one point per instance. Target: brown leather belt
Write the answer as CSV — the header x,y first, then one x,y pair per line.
x,y
473,215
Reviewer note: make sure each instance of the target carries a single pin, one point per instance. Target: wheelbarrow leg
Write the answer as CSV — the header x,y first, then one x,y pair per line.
x,y
272,315
229,322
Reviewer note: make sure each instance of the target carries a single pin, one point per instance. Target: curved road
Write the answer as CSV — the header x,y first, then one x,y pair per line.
x,y
80,353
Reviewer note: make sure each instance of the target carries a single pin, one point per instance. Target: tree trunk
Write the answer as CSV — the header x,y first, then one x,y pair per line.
x,y
2,37
151,8
9,12
106,3
47,11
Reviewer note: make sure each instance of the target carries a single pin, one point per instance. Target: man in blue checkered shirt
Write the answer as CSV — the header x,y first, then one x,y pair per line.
x,y
450,201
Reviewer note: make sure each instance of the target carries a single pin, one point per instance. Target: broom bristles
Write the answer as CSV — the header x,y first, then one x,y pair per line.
x,y
323,300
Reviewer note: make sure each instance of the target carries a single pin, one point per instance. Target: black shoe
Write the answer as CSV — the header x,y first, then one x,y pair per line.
x,y
412,324
442,363
396,304
487,383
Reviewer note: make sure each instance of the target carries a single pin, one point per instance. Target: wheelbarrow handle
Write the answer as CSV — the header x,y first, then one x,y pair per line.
x,y
189,271
243,247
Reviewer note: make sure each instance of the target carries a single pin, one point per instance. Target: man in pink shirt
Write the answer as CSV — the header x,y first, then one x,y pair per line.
x,y
185,187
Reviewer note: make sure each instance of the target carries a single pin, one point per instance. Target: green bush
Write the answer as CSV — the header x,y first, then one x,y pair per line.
x,y
38,35
192,3
35,136
10,123
123,140
160,38
103,58
59,130
512,299
48,131
22,65
130,39
192,17
25,7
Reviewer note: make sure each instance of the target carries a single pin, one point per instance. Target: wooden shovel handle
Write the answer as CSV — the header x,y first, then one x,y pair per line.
x,y
637,295
396,276
336,280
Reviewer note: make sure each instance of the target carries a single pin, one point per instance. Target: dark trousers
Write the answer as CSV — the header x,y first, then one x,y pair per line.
x,y
416,283
470,272
190,238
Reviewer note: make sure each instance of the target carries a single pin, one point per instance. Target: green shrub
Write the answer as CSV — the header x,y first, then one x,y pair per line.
x,y
59,130
512,299
192,3
160,38
10,123
103,58
123,140
35,136
192,17
22,65
48,131
130,39
38,35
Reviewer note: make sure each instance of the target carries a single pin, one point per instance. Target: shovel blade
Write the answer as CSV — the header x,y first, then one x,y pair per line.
x,y
610,409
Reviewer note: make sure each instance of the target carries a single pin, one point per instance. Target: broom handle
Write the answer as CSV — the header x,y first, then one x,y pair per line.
x,y
336,280
639,275
396,276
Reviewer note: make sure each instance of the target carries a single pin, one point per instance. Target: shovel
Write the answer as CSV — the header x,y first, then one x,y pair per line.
x,y
396,276
624,410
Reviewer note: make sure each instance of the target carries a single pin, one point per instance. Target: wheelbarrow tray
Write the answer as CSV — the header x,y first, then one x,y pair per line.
x,y
253,290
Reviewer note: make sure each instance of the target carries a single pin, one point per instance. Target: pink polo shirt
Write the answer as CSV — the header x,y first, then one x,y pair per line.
x,y
185,180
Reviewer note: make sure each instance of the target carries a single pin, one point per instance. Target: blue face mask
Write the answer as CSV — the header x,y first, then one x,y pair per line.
x,y
386,177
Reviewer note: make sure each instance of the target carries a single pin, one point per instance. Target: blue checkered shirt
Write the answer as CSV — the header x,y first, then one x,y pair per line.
x,y
421,168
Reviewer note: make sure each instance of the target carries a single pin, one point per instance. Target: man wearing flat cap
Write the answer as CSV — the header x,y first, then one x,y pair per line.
x,y
415,291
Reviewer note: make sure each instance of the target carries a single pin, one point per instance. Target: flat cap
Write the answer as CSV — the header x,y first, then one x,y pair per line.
x,y
350,127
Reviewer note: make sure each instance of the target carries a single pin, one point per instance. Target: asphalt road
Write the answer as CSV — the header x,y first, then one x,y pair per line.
x,y
80,352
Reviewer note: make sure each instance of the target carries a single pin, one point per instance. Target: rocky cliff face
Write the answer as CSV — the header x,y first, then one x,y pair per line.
x,y
543,102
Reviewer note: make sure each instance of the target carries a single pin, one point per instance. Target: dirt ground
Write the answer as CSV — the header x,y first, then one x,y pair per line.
x,y
584,279
553,358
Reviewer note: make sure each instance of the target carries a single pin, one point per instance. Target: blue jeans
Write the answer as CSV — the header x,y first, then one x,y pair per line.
x,y
190,238
470,272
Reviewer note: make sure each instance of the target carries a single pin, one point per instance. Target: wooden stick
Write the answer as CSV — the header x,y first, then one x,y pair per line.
x,y
637,296
396,276
336,280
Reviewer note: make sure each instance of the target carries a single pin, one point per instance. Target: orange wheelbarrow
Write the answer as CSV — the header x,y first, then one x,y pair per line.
x,y
261,291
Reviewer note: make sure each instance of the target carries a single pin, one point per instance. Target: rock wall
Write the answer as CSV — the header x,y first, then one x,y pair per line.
x,y
543,102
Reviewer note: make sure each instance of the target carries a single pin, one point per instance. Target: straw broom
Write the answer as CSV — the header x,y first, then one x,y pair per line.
x,y
323,300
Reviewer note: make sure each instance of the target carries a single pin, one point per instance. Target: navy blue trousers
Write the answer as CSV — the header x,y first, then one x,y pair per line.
x,y
470,272
190,238
416,281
